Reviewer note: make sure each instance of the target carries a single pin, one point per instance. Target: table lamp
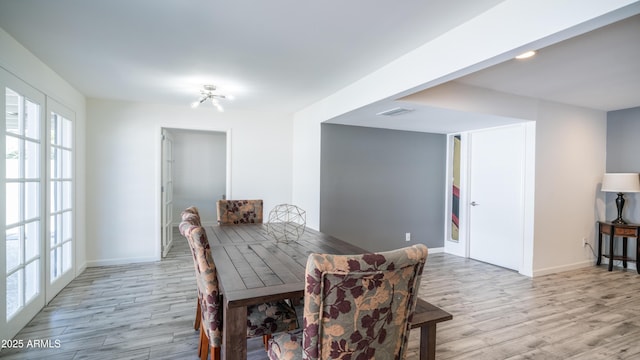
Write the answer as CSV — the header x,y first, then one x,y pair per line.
x,y
620,183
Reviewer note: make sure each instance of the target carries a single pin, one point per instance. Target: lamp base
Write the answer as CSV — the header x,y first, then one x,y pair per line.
x,y
619,206
618,221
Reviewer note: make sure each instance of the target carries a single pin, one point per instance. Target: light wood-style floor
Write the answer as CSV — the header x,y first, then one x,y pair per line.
x,y
145,311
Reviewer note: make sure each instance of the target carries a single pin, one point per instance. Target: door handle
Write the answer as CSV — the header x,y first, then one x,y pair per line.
x,y
473,203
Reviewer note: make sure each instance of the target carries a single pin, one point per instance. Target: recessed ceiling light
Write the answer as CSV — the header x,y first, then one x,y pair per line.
x,y
394,111
526,55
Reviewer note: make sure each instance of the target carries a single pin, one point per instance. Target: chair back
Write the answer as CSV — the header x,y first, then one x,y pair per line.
x,y
233,212
190,216
206,280
361,304
190,219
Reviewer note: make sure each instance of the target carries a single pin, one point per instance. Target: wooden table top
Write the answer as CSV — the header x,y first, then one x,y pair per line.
x,y
254,268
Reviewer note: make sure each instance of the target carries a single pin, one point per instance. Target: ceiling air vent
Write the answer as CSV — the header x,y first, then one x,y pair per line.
x,y
395,111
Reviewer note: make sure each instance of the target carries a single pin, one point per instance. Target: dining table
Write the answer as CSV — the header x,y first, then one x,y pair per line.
x,y
253,268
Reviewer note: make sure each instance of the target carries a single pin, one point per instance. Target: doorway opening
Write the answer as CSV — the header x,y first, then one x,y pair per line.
x,y
496,186
194,172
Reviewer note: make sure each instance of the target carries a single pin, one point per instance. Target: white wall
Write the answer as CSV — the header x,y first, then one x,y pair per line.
x,y
17,60
123,166
570,161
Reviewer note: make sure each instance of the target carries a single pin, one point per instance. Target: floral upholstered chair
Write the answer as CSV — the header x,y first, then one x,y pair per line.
x,y
234,212
262,320
191,214
191,217
356,306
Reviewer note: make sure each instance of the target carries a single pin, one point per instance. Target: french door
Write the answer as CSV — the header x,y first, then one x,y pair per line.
x,y
36,254
60,250
23,221
167,191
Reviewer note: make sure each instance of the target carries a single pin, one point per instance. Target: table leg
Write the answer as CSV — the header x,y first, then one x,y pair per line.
x,y
599,246
234,333
428,342
637,252
611,236
624,252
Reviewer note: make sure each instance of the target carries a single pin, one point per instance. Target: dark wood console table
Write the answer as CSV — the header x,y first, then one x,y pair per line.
x,y
624,231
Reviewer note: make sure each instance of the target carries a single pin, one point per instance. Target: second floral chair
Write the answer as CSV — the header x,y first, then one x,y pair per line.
x,y
236,212
262,320
355,307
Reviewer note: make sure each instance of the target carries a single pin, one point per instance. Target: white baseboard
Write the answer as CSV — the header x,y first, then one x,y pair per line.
x,y
80,269
568,267
436,250
121,261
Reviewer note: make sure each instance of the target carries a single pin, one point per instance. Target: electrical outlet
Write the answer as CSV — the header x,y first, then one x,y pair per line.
x,y
407,237
584,242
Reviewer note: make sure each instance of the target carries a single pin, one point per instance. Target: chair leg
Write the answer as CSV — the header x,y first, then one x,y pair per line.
x,y
203,345
215,353
265,340
200,342
196,324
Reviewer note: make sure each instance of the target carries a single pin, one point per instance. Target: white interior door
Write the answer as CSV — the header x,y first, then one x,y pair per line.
x,y
496,214
167,191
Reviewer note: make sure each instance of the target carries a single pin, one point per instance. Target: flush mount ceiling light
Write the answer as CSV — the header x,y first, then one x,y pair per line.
x,y
526,55
208,93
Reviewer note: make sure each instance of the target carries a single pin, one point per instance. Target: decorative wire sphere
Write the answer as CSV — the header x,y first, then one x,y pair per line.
x,y
286,222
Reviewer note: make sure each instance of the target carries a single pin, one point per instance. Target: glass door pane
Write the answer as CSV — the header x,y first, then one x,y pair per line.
x,y
23,202
455,191
61,177
23,214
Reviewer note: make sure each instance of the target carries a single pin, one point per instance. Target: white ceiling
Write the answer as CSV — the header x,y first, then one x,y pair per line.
x,y
283,55
597,70
278,55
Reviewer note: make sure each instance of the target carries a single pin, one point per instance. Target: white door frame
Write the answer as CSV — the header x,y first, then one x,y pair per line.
x,y
228,190
462,246
451,246
167,191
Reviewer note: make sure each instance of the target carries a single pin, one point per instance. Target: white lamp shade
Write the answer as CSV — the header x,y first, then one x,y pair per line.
x,y
621,182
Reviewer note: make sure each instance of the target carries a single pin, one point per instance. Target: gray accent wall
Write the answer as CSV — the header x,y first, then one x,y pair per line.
x,y
376,185
623,155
